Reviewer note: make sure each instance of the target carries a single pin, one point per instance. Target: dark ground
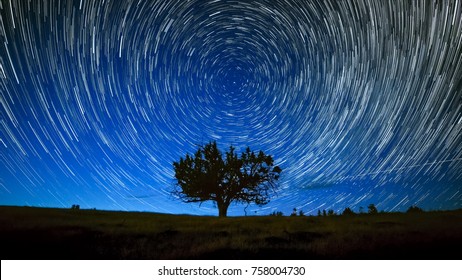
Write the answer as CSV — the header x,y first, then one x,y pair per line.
x,y
43,233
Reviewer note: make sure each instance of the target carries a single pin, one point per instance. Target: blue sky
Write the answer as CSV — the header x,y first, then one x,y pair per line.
x,y
359,102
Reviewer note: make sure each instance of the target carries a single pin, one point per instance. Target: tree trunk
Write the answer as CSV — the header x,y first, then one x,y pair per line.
x,y
222,209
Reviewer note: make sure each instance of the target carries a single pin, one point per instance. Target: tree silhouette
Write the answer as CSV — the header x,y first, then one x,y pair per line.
x,y
209,176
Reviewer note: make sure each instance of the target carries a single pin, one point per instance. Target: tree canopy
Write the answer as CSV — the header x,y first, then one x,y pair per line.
x,y
208,175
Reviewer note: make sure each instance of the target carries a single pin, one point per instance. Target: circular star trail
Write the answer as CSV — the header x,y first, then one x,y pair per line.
x,y
358,101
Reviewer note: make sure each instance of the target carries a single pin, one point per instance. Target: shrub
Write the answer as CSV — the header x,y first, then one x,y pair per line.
x,y
414,209
294,212
371,209
277,214
348,212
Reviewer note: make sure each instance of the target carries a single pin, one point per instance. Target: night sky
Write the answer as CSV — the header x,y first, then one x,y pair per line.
x,y
359,102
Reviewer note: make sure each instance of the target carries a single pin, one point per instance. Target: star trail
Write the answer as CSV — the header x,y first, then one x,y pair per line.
x,y
359,102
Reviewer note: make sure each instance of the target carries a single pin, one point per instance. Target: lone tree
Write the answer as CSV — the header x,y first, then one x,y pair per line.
x,y
208,175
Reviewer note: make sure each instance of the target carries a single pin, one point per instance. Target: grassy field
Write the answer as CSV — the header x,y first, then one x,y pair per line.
x,y
42,233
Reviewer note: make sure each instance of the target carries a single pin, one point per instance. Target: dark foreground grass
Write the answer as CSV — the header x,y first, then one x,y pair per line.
x,y
42,233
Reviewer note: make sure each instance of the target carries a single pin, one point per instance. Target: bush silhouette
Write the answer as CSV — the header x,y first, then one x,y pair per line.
x,y
348,212
371,209
414,209
277,214
294,212
331,212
